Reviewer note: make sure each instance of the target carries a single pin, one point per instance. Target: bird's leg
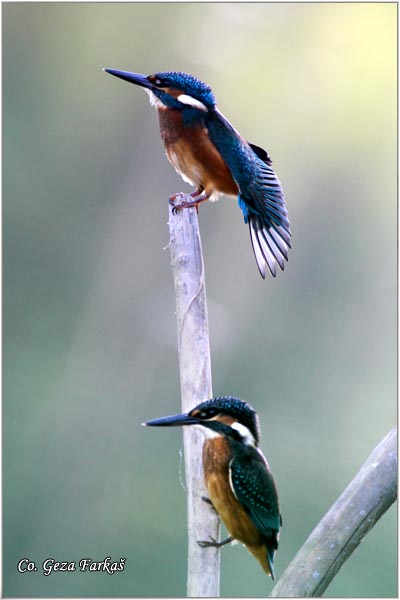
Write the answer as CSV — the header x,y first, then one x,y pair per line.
x,y
208,501
214,543
198,196
195,193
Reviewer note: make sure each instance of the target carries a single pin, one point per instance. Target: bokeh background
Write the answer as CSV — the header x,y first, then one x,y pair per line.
x,y
89,326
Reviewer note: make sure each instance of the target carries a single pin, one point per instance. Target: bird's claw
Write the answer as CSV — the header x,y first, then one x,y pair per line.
x,y
208,501
198,198
171,201
208,544
213,543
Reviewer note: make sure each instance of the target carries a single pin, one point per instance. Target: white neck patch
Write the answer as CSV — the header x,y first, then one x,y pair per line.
x,y
245,433
192,102
154,101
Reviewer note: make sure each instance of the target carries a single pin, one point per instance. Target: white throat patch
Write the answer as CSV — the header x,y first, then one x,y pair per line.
x,y
154,101
209,434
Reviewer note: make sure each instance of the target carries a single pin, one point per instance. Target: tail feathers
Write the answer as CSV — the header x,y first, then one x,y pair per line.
x,y
265,554
270,244
270,560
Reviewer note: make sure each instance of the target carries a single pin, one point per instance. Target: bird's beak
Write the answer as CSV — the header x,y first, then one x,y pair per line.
x,y
173,421
135,78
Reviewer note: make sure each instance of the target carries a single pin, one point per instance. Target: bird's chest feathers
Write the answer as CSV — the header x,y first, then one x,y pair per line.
x,y
193,155
217,455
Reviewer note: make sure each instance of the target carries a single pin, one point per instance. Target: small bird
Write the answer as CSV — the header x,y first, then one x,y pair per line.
x,y
237,475
209,153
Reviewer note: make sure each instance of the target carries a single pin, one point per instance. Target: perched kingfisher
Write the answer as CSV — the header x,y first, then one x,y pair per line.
x,y
237,475
209,153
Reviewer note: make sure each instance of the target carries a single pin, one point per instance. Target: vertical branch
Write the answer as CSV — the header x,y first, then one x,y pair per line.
x,y
195,376
363,502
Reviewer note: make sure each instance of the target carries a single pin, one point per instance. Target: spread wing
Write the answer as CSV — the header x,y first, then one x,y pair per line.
x,y
253,485
261,153
260,197
264,209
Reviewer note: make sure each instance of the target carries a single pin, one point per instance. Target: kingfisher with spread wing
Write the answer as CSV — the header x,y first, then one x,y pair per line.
x,y
209,153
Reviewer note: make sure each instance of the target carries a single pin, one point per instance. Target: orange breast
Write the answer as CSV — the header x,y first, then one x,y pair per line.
x,y
216,457
193,155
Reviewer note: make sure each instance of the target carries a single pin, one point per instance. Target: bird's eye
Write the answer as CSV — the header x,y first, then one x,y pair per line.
x,y
156,80
164,82
208,414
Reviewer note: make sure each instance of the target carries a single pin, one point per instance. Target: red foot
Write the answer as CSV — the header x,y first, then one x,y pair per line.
x,y
197,199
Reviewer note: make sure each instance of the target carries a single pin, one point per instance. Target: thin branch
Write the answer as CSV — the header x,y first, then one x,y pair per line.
x,y
195,374
338,534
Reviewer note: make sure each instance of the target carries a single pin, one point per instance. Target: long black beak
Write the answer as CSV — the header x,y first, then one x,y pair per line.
x,y
135,78
173,421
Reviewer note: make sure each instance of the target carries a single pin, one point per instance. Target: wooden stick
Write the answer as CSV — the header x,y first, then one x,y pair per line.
x,y
195,374
338,534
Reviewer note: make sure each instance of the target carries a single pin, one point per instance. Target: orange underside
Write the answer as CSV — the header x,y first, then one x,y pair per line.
x,y
192,153
216,457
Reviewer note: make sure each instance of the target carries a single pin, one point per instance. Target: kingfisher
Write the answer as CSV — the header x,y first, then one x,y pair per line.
x,y
238,478
210,154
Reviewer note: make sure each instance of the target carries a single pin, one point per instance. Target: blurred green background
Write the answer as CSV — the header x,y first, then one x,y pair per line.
x,y
89,325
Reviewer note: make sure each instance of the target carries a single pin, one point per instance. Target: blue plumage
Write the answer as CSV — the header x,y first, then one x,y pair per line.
x,y
205,148
191,85
237,475
260,197
255,489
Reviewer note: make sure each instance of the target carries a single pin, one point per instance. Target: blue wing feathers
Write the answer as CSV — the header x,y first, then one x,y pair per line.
x,y
260,198
254,487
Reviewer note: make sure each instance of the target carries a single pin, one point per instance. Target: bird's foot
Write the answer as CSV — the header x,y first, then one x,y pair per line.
x,y
208,501
213,543
198,198
172,199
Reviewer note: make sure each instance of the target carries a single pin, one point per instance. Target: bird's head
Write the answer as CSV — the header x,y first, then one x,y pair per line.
x,y
226,415
171,89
